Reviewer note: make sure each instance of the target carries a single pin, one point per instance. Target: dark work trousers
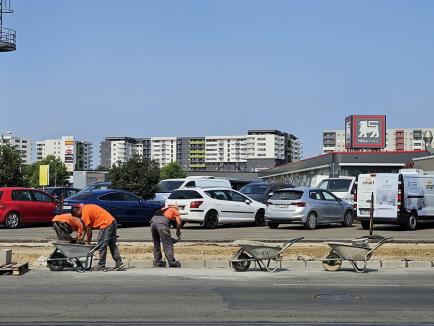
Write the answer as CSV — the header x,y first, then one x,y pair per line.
x,y
160,228
107,237
63,231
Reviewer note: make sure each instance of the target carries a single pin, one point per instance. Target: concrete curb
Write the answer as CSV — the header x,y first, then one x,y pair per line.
x,y
298,264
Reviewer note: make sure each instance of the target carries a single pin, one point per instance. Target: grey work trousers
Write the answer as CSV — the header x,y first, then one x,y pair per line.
x,y
108,237
160,229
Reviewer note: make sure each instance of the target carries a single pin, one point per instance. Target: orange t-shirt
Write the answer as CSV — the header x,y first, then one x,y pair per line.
x,y
96,217
74,222
171,213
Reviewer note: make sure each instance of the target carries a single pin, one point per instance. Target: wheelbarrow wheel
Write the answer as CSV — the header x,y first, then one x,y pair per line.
x,y
58,263
55,266
241,266
332,263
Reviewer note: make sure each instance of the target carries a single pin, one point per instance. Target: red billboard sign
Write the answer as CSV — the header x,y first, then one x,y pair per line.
x,y
365,131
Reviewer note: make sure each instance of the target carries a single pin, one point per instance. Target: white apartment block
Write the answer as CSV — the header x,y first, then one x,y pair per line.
x,y
76,155
265,146
220,149
396,140
24,145
163,150
123,150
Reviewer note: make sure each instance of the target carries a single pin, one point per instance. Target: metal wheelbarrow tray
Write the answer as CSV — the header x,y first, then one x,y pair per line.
x,y
70,254
354,253
266,255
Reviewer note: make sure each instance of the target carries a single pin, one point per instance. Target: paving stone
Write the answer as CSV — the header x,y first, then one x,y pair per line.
x,y
216,264
193,264
5,257
314,264
140,264
393,264
419,264
293,264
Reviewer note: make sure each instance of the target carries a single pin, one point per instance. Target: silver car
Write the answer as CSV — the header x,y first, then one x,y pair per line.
x,y
308,206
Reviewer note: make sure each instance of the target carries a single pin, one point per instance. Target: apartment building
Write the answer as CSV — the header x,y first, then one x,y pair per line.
x,y
24,145
258,150
75,154
396,140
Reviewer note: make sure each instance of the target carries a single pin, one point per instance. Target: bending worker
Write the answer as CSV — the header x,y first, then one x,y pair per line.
x,y
160,228
96,217
65,224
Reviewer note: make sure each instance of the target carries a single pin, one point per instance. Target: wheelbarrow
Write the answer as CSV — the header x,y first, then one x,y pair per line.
x,y
266,255
358,253
72,255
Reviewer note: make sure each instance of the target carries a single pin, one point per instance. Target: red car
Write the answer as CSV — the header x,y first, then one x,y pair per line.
x,y
20,206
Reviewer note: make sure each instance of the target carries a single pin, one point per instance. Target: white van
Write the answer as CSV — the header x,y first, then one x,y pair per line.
x,y
166,187
342,187
399,198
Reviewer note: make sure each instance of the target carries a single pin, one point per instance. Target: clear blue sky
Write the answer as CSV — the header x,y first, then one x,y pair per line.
x,y
139,68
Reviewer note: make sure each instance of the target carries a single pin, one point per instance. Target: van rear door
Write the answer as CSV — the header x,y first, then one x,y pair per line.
x,y
419,194
386,195
365,187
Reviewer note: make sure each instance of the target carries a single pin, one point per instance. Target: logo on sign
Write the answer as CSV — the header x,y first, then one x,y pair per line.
x,y
369,129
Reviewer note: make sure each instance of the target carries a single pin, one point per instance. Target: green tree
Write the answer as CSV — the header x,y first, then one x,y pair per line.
x,y
137,175
11,173
58,172
172,171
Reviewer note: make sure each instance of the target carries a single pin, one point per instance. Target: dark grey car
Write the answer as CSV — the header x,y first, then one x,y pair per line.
x,y
308,206
261,191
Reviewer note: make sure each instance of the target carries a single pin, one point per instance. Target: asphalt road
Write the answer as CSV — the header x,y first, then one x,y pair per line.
x,y
231,233
190,296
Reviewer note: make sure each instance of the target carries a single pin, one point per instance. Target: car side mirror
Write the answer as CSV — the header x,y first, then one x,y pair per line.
x,y
248,202
270,194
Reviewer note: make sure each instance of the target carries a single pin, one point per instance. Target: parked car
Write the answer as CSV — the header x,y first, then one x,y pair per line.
x,y
308,206
97,186
261,191
19,206
342,187
61,192
123,205
213,206
166,187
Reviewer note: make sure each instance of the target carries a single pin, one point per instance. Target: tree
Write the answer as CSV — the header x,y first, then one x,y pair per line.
x,y
172,171
137,175
58,172
11,173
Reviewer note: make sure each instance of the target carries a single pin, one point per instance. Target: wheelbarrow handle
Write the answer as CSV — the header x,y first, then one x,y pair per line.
x,y
289,243
383,241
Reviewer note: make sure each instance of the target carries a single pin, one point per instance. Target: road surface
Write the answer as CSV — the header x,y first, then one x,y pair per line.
x,y
231,233
194,296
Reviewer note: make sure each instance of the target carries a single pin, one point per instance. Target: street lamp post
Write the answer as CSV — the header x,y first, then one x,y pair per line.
x,y
427,138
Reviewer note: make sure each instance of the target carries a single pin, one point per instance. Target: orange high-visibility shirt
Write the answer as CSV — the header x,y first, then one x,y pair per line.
x,y
171,213
96,217
72,221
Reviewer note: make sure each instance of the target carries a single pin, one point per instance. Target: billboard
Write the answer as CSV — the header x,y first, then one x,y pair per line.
x,y
44,175
365,131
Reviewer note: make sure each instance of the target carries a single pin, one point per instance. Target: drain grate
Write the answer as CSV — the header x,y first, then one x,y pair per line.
x,y
336,297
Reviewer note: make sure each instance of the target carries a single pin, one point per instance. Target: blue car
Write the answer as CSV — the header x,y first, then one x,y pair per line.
x,y
126,207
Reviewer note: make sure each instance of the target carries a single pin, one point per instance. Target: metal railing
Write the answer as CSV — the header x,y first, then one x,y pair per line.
x,y
8,35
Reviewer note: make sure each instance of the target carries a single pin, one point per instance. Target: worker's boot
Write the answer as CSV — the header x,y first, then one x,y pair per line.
x,y
159,264
175,263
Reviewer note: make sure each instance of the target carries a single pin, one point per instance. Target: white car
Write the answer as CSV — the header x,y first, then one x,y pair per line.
x,y
213,206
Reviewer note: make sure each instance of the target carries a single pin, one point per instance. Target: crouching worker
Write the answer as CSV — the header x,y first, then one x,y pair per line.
x,y
97,218
65,225
160,228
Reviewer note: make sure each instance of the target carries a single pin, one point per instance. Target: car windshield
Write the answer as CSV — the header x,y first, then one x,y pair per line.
x,y
185,194
95,187
335,185
80,196
257,189
169,185
287,195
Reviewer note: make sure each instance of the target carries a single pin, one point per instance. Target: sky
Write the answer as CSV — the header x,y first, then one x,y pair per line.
x,y
141,68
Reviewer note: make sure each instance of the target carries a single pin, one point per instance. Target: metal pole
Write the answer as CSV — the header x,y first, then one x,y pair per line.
x,y
371,215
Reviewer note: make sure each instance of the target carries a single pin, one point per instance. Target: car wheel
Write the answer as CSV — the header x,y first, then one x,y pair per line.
x,y
365,225
241,266
13,220
211,220
411,224
348,219
272,225
312,221
260,218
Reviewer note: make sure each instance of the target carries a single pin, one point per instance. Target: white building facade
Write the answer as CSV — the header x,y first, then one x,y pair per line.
x,y
23,144
163,150
76,155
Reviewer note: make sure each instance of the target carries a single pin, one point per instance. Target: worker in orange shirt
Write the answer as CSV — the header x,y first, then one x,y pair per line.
x,y
95,217
65,225
160,229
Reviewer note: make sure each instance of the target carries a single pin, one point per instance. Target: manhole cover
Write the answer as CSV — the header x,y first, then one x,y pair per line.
x,y
336,297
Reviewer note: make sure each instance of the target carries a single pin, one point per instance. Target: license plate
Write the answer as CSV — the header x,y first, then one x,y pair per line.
x,y
67,207
283,206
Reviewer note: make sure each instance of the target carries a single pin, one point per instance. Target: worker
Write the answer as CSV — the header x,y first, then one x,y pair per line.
x,y
65,225
95,217
160,229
